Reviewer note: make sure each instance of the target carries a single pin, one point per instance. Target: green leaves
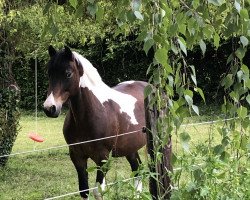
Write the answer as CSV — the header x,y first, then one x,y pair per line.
x,y
46,8
138,15
161,56
50,27
203,47
200,93
188,95
182,44
79,11
189,100
73,3
237,5
244,14
100,14
148,90
185,138
219,149
240,52
227,81
216,40
216,2
136,6
244,41
148,44
195,109
92,9
142,35
242,112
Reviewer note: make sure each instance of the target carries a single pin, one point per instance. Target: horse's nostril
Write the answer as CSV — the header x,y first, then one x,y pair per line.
x,y
53,109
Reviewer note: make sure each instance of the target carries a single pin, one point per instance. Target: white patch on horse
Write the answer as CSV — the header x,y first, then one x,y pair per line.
x,y
138,185
49,101
92,80
103,185
96,192
126,82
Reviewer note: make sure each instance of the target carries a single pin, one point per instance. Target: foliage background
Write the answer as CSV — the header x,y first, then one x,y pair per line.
x,y
27,30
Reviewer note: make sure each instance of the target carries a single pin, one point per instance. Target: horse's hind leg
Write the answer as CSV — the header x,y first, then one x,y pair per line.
x,y
81,166
134,161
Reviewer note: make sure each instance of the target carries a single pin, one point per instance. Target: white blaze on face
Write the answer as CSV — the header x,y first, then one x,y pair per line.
x,y
92,80
49,101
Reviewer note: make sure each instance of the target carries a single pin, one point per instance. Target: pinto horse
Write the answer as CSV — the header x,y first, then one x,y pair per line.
x,y
95,111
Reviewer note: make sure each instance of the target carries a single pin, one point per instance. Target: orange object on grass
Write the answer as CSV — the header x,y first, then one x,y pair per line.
x,y
36,137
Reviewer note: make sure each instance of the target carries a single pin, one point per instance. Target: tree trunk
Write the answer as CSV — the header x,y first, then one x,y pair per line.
x,y
159,186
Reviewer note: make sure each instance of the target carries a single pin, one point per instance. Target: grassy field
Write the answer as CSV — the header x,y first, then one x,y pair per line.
x,y
45,174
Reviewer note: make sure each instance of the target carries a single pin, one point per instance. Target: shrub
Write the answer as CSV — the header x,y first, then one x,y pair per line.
x,y
9,99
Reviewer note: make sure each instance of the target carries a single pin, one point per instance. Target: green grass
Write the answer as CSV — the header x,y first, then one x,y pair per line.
x,y
50,173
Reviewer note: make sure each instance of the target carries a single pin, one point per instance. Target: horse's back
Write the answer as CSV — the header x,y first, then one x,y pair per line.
x,y
133,88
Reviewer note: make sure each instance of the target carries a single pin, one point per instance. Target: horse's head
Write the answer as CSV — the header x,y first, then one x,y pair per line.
x,y
64,72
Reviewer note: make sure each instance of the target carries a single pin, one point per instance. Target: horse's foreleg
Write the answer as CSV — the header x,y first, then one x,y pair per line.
x,y
81,166
134,161
100,181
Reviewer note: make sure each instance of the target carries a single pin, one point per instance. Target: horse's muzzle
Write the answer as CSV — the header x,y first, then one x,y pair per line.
x,y
51,111
52,107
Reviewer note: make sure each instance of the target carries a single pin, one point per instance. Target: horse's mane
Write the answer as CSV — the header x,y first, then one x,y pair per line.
x,y
89,72
93,81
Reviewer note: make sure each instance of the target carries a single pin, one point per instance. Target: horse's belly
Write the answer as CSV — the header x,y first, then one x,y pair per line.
x,y
128,144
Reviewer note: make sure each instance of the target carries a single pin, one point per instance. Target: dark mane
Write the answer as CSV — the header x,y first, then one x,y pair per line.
x,y
58,61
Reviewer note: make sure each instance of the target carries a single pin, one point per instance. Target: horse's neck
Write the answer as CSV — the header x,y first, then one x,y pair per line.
x,y
85,106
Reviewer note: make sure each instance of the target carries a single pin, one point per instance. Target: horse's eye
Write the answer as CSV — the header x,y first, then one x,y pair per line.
x,y
68,74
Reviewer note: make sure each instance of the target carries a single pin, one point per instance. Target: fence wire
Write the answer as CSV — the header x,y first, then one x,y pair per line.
x,y
68,145
105,138
90,189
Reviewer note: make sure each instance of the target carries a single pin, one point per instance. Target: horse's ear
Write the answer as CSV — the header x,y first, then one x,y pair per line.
x,y
52,51
79,67
68,53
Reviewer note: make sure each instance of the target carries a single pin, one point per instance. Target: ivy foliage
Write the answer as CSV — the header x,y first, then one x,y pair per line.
x,y
9,112
9,100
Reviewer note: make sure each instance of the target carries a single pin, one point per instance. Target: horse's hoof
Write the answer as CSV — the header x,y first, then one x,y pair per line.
x,y
98,197
85,198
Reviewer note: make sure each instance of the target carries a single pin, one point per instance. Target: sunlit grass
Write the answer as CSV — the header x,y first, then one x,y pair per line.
x,y
49,128
51,173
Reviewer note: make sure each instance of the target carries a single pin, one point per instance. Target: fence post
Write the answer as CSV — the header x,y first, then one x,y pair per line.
x,y
159,186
